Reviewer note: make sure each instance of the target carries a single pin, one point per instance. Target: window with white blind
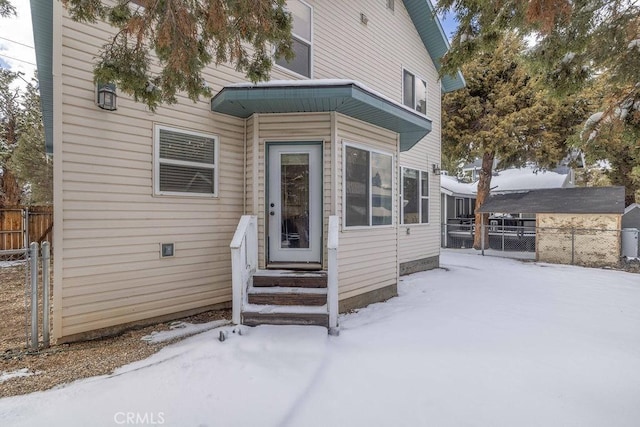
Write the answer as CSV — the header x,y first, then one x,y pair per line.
x,y
185,162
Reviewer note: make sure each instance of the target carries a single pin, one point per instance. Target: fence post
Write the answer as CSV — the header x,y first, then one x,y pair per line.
x,y
33,265
573,245
503,234
482,234
46,255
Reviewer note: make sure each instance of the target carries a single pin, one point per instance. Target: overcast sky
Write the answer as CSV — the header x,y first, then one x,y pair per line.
x,y
16,41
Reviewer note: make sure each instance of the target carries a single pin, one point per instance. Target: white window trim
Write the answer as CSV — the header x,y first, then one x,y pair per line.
x,y
156,162
364,147
293,73
420,196
426,83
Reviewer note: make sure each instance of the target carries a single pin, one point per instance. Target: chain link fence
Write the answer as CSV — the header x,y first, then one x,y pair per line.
x,y
574,246
24,277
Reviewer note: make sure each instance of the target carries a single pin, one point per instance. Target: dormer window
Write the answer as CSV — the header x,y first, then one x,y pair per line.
x,y
302,38
414,92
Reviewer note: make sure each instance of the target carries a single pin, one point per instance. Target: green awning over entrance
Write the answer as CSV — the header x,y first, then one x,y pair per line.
x,y
307,96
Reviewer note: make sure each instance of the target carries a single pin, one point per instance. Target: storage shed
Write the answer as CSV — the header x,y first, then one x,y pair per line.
x,y
573,225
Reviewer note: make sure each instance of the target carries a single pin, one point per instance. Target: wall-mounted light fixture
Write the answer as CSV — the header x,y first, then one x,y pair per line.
x,y
436,169
106,96
363,19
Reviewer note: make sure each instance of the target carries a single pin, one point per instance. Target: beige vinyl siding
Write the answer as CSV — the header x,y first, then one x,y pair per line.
x,y
294,127
376,55
110,271
373,54
368,255
107,267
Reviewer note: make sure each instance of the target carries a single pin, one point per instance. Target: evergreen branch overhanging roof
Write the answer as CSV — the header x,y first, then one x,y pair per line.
x,y
422,14
343,96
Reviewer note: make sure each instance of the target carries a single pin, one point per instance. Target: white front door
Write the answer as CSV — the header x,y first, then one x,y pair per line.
x,y
294,202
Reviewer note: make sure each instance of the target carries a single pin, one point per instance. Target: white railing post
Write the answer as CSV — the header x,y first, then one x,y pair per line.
x,y
332,274
244,261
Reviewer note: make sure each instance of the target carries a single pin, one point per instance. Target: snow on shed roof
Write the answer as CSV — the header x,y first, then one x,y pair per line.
x,y
527,178
452,187
579,200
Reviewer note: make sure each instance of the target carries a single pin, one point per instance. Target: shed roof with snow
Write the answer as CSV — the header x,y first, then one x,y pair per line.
x,y
582,200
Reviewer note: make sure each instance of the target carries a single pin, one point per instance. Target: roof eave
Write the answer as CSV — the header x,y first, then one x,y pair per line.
x,y
42,22
345,98
429,28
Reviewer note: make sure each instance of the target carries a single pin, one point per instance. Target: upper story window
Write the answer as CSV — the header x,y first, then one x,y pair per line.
x,y
415,196
368,187
185,162
302,38
414,92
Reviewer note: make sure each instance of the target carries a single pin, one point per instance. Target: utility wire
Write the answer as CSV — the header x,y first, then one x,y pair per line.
x,y
16,59
13,41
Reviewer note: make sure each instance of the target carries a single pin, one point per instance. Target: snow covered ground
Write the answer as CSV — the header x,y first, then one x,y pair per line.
x,y
484,342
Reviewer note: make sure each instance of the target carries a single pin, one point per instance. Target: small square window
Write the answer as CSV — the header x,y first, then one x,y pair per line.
x,y
414,92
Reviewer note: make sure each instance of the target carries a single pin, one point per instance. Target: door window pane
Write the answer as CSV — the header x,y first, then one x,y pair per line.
x,y
294,190
356,187
381,190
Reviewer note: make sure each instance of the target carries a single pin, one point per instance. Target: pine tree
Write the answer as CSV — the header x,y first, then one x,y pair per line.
x,y
576,43
33,169
503,114
10,191
6,9
162,47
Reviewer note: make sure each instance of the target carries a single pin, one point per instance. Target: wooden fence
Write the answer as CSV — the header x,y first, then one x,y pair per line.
x,y
21,226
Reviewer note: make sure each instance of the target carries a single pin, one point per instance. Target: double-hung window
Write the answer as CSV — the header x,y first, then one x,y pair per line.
x,y
415,196
186,162
414,92
368,192
301,34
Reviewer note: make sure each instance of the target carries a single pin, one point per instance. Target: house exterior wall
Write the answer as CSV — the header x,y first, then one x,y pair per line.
x,y
582,239
108,271
367,260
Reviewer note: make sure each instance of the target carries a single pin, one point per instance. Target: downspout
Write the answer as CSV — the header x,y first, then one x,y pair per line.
x,y
244,171
334,163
